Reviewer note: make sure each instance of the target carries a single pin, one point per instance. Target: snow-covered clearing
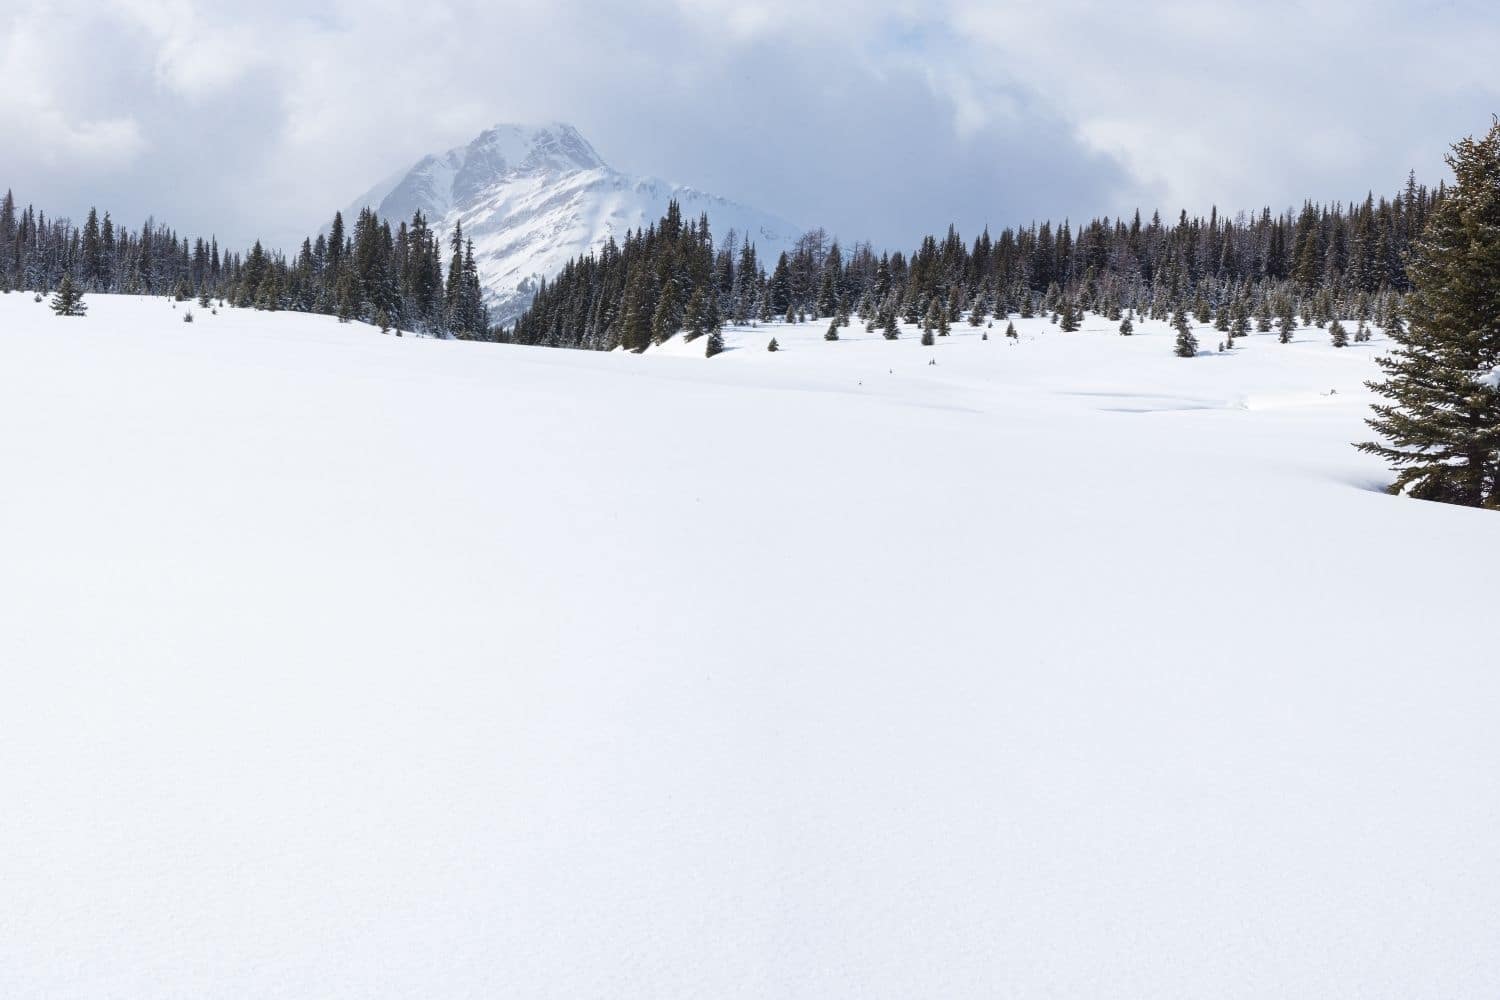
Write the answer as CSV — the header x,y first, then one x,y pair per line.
x,y
345,666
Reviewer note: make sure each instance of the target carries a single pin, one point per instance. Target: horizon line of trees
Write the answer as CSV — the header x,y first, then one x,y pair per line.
x,y
670,277
374,273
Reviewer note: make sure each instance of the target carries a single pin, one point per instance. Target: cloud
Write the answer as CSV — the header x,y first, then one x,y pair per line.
x,y
882,119
47,124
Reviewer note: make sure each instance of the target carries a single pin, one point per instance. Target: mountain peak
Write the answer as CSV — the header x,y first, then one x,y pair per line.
x,y
534,196
523,147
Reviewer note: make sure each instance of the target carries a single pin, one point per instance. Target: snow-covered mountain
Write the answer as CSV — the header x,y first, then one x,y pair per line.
x,y
534,197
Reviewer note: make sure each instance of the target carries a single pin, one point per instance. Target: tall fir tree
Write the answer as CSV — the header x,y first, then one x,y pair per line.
x,y
1441,429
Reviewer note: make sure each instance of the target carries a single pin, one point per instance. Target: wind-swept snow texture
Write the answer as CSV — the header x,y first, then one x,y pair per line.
x,y
533,197
339,665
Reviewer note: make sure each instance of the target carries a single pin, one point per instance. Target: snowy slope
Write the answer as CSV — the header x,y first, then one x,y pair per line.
x,y
341,665
534,197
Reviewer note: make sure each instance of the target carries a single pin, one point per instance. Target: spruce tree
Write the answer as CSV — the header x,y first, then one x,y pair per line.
x,y
890,324
1187,344
1126,327
715,344
1068,319
696,319
1010,331
833,330
69,298
1338,334
667,319
773,347
1440,431
1240,325
1285,325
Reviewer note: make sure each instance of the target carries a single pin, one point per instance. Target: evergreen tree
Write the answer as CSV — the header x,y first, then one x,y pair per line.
x,y
1441,429
1187,344
1285,325
696,319
833,330
715,344
1067,320
1126,327
69,299
1338,334
1240,325
773,347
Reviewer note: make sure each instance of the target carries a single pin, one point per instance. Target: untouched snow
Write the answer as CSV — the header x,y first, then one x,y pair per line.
x,y
533,197
346,666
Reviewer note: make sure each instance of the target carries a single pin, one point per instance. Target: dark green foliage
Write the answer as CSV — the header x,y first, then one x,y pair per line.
x,y
715,344
1440,430
1239,326
931,321
1068,320
69,299
1338,334
1126,327
1286,325
773,347
1186,345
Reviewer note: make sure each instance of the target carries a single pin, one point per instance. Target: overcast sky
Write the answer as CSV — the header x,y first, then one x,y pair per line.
x,y
884,119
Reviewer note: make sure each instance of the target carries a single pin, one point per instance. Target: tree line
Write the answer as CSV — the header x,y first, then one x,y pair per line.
x,y
1322,261
394,278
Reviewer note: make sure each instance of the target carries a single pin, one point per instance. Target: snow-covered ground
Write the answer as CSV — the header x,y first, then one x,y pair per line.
x,y
345,666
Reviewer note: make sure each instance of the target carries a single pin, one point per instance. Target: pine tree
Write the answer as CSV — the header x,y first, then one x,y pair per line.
x,y
1068,319
833,330
69,298
773,347
1286,324
1441,429
890,324
696,319
1126,327
1338,334
1010,331
666,321
715,344
1240,325
1187,344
